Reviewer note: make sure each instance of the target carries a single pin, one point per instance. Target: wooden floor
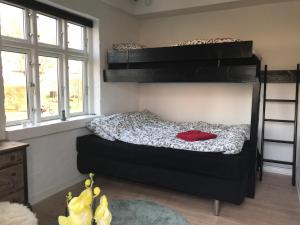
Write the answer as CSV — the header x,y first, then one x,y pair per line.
x,y
276,203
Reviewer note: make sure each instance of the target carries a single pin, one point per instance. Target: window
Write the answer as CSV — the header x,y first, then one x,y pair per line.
x,y
76,74
75,36
12,21
48,78
15,85
47,29
45,71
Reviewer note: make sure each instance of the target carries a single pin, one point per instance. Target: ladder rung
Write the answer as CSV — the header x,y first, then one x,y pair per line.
x,y
280,121
279,141
280,100
278,161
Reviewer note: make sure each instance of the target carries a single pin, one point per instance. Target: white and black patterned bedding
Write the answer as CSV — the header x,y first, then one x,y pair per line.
x,y
131,46
146,128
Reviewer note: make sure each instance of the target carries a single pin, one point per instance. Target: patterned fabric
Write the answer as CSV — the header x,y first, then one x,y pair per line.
x,y
207,41
146,128
127,46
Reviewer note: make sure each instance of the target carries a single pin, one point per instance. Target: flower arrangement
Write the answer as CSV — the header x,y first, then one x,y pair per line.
x,y
80,209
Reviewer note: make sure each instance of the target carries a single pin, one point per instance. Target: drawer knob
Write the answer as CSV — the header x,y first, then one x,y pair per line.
x,y
13,174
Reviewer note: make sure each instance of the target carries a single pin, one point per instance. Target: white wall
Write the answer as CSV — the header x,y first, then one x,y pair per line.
x,y
206,101
52,163
274,28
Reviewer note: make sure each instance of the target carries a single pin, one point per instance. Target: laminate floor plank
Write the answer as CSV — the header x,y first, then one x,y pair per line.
x,y
276,203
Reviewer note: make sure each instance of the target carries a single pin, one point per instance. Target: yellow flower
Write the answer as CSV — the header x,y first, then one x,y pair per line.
x,y
69,196
87,183
97,191
79,209
103,215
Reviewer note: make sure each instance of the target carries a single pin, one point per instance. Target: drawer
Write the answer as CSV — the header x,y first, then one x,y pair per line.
x,y
17,197
11,158
11,179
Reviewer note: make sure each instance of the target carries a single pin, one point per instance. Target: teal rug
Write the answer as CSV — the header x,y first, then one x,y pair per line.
x,y
138,212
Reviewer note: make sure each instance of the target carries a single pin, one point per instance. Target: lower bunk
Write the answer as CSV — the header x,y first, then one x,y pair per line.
x,y
217,176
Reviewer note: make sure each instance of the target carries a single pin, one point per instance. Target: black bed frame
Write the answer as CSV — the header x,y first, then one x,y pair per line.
x,y
227,62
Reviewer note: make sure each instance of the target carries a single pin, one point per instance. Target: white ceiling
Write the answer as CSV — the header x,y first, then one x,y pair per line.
x,y
172,7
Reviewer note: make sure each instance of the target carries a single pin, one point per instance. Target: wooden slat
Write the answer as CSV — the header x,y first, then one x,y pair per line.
x,y
279,141
233,74
280,121
280,76
280,100
278,161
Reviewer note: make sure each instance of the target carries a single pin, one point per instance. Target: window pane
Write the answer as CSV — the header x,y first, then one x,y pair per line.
x,y
14,76
76,86
47,29
12,21
48,75
75,36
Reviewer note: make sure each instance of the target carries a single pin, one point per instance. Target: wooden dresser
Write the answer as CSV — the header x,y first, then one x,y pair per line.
x,y
13,172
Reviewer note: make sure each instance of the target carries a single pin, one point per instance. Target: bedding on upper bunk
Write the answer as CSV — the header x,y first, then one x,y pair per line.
x,y
131,45
146,128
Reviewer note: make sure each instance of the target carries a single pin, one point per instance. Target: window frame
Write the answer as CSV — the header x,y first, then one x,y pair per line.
x,y
34,48
59,85
84,37
28,74
58,31
84,86
25,25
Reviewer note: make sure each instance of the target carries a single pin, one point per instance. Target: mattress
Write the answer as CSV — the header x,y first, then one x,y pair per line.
x,y
147,128
213,164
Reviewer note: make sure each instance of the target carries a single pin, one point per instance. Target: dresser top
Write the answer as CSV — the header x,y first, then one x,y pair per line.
x,y
11,145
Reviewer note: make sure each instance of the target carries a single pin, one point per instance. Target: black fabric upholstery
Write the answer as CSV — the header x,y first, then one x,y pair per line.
x,y
210,164
213,175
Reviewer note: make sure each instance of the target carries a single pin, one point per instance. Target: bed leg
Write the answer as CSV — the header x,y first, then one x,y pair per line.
x,y
216,207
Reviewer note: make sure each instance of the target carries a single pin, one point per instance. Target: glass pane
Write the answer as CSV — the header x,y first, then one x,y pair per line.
x,y
48,74
14,76
12,21
75,36
47,29
75,86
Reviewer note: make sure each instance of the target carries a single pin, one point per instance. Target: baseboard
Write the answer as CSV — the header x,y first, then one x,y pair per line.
x,y
278,170
37,197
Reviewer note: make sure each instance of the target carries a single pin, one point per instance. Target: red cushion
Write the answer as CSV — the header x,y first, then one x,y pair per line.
x,y
195,135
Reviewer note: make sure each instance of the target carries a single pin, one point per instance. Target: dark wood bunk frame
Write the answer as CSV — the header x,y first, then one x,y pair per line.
x,y
280,76
226,62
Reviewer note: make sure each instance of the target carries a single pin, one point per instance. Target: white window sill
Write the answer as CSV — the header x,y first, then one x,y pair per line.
x,y
46,128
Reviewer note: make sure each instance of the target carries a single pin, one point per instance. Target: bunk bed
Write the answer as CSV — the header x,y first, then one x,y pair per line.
x,y
217,176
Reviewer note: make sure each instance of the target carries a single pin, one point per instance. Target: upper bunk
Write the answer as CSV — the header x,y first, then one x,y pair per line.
x,y
215,62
